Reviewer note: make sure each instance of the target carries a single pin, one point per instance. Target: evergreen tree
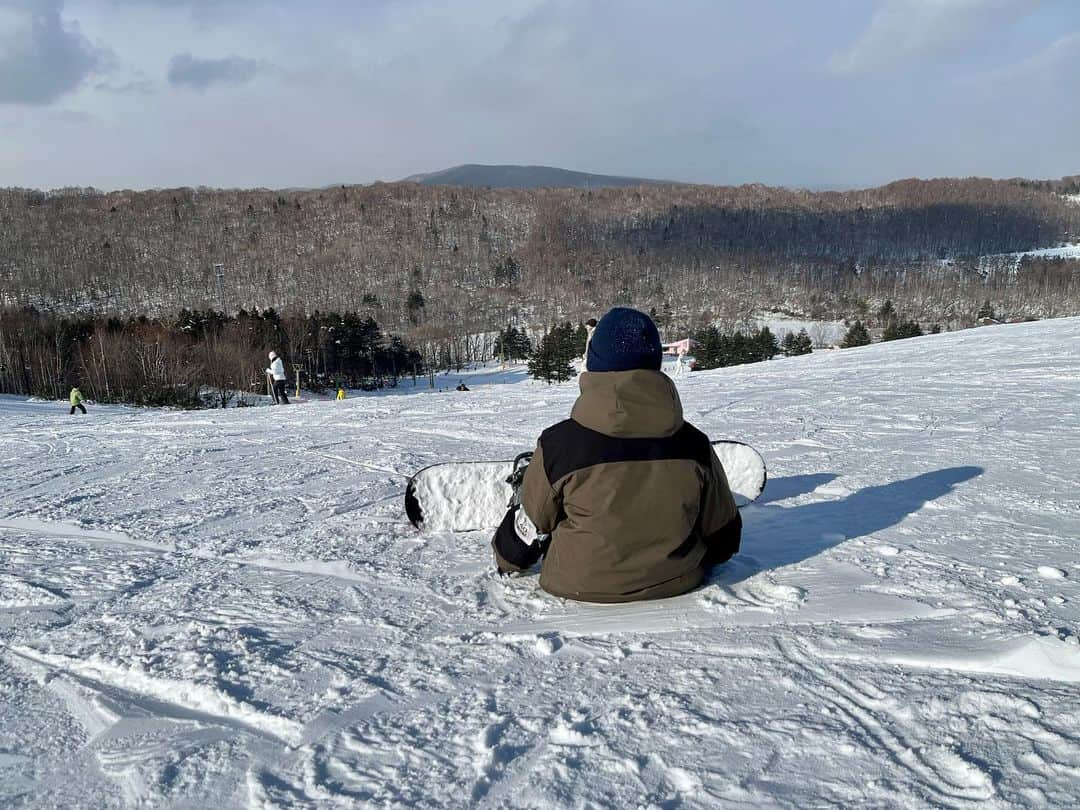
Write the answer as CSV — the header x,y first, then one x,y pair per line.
x,y
765,346
520,345
513,344
986,310
797,343
506,272
887,313
712,349
855,336
581,334
503,342
898,330
551,360
706,348
414,304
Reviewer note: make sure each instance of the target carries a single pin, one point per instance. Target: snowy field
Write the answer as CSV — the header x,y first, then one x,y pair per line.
x,y
1012,260
822,333
228,609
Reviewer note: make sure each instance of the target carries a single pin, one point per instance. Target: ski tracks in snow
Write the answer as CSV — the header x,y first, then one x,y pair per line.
x,y
229,608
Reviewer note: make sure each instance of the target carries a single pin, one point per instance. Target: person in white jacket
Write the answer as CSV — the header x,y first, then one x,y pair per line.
x,y
590,327
277,374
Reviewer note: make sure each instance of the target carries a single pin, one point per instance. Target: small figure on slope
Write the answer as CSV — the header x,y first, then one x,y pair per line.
x,y
590,327
76,399
277,374
635,500
461,386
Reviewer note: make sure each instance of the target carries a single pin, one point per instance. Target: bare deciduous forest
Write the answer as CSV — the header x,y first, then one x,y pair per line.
x,y
483,257
448,267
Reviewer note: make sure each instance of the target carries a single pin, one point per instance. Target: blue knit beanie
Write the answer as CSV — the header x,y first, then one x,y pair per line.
x,y
625,339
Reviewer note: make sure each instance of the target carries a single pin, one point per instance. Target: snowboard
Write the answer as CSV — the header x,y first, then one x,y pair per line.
x,y
466,496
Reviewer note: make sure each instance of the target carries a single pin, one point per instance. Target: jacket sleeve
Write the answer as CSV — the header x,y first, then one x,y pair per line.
x,y
512,553
721,523
542,503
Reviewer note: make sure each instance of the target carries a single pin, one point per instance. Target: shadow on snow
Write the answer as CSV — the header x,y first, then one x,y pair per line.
x,y
775,536
780,489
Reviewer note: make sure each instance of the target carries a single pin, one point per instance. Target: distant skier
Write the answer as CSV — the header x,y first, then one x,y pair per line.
x,y
461,386
340,392
680,360
590,327
277,375
635,501
76,399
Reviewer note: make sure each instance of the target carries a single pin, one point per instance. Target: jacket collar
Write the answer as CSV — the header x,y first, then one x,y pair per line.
x,y
634,404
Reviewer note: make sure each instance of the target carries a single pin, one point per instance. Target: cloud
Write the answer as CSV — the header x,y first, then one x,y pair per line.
x,y
212,14
186,70
143,87
1054,61
42,57
901,30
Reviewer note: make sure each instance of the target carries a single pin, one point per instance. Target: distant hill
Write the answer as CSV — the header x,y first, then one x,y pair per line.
x,y
444,261
475,174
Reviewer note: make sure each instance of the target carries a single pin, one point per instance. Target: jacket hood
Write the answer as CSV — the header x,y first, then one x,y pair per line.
x,y
636,404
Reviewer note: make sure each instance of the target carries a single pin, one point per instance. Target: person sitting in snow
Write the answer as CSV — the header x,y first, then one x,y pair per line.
x,y
277,373
634,499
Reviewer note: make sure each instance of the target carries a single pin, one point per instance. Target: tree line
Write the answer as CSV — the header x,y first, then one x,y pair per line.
x,y
448,267
197,358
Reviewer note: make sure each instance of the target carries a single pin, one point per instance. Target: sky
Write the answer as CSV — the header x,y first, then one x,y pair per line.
x,y
274,93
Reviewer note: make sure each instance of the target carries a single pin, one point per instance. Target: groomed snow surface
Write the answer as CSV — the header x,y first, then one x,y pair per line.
x,y
222,609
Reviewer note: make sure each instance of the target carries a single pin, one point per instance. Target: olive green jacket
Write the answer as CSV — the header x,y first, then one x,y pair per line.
x,y
637,504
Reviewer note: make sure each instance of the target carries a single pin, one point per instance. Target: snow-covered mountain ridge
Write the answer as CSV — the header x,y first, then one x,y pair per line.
x,y
229,607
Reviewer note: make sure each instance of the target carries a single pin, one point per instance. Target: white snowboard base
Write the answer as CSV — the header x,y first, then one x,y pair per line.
x,y
465,496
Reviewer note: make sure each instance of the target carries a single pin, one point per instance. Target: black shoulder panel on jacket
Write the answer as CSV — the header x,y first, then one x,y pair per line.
x,y
568,447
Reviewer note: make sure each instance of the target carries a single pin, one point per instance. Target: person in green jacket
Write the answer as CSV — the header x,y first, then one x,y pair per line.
x,y
76,398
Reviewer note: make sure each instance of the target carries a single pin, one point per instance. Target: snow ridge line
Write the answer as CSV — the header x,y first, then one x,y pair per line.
x,y
198,698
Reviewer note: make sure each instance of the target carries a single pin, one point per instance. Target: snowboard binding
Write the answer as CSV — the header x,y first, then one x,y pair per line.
x,y
515,479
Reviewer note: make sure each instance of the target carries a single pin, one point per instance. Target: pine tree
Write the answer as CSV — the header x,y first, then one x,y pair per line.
x,y
551,360
855,336
706,348
512,344
765,345
797,343
986,310
414,304
581,334
520,344
898,330
887,313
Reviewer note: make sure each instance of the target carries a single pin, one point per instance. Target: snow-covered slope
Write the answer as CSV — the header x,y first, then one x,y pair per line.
x,y
229,609
1012,260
